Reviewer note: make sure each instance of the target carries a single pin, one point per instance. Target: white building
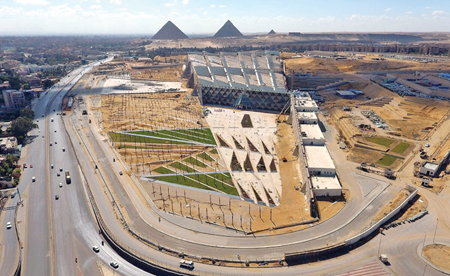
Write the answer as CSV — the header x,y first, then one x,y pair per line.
x,y
319,161
429,168
326,186
14,99
312,135
306,105
307,118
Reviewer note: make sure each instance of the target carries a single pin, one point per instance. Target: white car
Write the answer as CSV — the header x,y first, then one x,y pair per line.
x,y
8,225
51,166
114,264
96,248
60,185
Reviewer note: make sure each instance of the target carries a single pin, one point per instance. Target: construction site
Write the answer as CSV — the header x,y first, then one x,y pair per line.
x,y
211,136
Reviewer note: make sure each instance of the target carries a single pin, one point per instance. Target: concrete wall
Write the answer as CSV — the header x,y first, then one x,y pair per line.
x,y
315,142
322,171
426,171
327,192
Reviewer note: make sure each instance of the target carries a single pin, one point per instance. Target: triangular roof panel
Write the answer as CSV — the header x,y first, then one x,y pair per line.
x,y
169,31
272,32
228,30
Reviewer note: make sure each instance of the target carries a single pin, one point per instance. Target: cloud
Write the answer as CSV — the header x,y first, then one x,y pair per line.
x,y
222,6
388,10
185,2
32,2
95,7
438,13
117,2
409,12
213,6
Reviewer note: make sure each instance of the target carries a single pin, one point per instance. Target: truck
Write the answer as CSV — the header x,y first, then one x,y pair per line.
x,y
68,180
384,258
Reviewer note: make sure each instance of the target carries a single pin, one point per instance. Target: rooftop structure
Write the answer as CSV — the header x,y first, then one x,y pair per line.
x,y
306,105
8,144
307,118
346,94
228,30
244,80
14,100
326,186
312,135
169,31
319,161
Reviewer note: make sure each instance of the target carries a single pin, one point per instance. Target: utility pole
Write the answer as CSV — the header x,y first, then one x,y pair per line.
x,y
435,230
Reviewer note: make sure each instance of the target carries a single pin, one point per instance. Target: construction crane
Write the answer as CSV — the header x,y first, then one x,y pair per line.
x,y
284,110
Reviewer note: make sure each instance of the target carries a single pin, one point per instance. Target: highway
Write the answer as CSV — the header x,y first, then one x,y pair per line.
x,y
56,231
9,255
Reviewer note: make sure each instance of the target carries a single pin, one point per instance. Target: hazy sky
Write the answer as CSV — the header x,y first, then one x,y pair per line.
x,y
206,17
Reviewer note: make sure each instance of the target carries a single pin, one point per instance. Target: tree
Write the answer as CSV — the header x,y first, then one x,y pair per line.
x,y
27,113
20,128
48,83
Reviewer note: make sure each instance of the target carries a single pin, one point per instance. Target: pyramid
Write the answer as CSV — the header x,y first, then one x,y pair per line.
x,y
228,30
169,31
272,32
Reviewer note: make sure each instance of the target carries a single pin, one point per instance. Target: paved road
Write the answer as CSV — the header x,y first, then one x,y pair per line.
x,y
74,231
9,255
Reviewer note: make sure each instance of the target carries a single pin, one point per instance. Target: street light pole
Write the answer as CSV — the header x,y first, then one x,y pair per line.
x,y
423,245
379,246
435,230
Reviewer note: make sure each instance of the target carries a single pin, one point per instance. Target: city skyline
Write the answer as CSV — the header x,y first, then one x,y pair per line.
x,y
43,17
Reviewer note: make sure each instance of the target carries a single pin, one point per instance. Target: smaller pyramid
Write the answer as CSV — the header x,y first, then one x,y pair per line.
x,y
228,30
272,32
169,31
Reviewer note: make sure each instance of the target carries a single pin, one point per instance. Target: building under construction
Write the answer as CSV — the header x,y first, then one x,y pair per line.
x,y
244,80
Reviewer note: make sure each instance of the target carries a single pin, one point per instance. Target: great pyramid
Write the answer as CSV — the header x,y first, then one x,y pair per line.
x,y
272,32
169,31
228,30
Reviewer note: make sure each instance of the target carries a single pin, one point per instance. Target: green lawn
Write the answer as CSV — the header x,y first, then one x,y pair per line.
x,y
191,181
163,170
387,160
214,151
206,156
400,148
228,189
192,160
380,141
179,179
182,167
117,137
189,135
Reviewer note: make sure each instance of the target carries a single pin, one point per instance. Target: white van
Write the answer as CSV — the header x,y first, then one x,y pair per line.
x,y
187,264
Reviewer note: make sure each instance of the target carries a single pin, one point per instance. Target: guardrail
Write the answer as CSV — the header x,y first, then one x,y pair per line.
x,y
344,247
19,265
